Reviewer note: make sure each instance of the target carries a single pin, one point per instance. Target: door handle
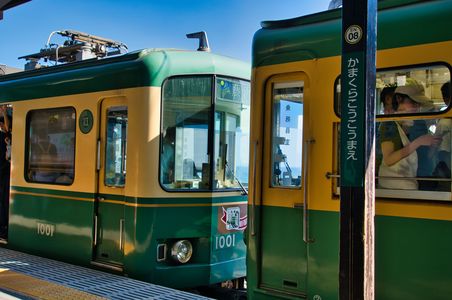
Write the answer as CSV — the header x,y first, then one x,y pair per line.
x,y
306,238
121,234
95,231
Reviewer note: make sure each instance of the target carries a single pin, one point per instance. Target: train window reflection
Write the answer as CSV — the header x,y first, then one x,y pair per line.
x,y
184,158
50,146
287,133
423,84
232,114
116,146
426,167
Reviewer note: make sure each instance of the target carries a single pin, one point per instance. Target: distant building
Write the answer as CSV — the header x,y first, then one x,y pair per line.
x,y
8,70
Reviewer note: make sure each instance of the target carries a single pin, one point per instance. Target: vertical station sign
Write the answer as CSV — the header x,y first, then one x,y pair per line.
x,y
356,269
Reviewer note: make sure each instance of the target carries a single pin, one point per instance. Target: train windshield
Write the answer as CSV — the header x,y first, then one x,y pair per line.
x,y
198,120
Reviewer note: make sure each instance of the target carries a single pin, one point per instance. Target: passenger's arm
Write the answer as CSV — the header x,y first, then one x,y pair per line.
x,y
391,156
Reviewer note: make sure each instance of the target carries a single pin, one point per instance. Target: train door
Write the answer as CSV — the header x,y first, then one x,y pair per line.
x,y
5,168
283,265
109,235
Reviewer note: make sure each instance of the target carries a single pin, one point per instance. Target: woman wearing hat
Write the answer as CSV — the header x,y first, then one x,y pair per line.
x,y
403,142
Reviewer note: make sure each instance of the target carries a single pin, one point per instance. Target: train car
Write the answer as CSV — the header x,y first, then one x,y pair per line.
x,y
293,240
135,163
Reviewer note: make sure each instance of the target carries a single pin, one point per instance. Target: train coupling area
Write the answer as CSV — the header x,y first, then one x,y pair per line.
x,y
25,276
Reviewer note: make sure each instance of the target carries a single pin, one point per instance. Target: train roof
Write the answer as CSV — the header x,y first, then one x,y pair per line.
x,y
400,23
148,67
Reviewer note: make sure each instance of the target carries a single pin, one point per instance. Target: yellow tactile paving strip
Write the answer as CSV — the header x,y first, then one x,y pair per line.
x,y
36,288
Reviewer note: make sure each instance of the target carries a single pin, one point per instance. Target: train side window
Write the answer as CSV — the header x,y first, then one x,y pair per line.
x,y
186,118
424,80
287,134
116,146
231,146
427,168
50,146
409,96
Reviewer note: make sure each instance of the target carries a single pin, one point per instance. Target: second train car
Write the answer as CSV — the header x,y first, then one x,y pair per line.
x,y
293,245
135,163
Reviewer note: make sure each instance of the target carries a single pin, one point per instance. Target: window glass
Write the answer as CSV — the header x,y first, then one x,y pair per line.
x,y
232,115
51,146
184,158
427,163
116,146
287,134
424,85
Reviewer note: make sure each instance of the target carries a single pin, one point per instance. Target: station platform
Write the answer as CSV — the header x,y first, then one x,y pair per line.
x,y
24,276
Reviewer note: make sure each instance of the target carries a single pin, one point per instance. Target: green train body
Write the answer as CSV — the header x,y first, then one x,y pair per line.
x,y
102,202
293,234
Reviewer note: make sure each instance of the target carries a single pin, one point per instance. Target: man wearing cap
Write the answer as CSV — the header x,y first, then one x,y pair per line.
x,y
4,172
406,143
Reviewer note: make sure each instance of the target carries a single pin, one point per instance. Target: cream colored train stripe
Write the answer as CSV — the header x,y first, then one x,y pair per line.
x,y
52,196
131,204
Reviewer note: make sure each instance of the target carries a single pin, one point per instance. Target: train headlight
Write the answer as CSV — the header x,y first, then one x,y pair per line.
x,y
182,251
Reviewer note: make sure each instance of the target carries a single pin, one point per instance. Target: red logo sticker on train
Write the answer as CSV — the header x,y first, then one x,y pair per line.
x,y
232,219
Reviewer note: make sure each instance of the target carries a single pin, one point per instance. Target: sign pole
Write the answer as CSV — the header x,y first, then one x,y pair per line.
x,y
357,148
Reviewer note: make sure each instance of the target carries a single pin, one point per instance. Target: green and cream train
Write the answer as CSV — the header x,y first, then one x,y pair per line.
x,y
135,163
293,226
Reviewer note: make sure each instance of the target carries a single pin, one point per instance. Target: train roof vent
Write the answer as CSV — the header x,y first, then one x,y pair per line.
x,y
203,41
78,46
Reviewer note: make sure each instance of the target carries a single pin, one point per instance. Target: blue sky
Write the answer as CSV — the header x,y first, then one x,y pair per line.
x,y
230,25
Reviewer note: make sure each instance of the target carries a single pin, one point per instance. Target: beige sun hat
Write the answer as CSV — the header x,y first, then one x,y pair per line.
x,y
416,92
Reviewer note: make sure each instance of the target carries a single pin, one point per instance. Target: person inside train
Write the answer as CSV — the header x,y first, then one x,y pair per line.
x,y
167,156
400,141
387,100
44,154
387,107
4,171
444,129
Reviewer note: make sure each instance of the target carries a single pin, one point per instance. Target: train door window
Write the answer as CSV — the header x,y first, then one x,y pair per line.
x,y
231,146
50,146
413,149
186,118
287,134
116,146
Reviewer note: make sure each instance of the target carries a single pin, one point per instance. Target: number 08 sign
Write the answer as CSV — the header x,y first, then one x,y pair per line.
x,y
353,34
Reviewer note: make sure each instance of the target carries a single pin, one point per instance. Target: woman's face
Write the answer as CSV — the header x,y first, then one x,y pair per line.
x,y
406,105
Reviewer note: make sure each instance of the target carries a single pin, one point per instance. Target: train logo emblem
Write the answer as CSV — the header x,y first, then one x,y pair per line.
x,y
231,218
86,121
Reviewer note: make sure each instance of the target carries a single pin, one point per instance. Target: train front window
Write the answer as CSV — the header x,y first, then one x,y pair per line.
x,y
184,152
231,146
116,146
50,146
287,134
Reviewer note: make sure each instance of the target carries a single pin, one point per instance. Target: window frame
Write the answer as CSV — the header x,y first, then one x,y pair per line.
x,y
382,193
123,158
210,135
271,183
28,145
336,101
